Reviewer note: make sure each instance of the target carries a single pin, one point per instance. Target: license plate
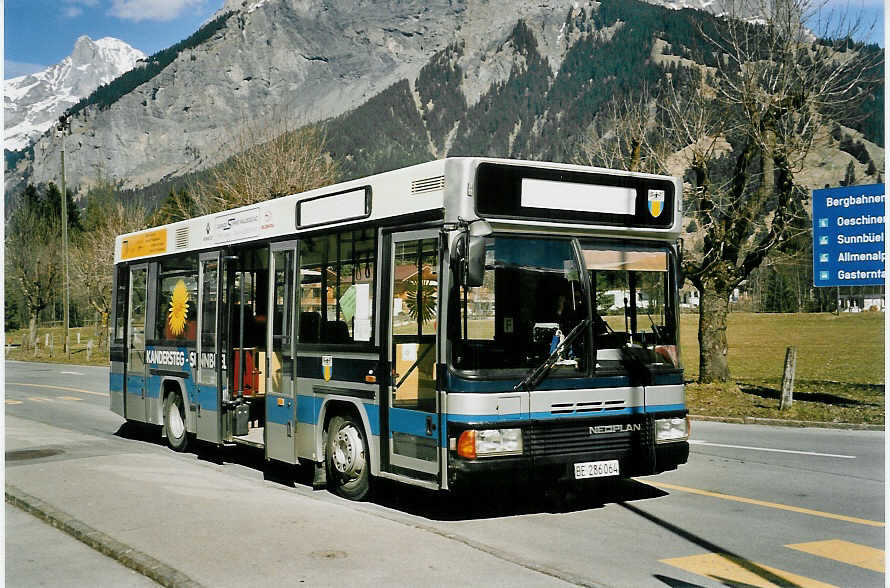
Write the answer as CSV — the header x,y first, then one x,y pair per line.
x,y
596,469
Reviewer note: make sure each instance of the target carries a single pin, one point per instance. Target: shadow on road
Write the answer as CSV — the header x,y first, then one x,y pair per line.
x,y
142,432
250,457
752,567
675,583
485,502
508,499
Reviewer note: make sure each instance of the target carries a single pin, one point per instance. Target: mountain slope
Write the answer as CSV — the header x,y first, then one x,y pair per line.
x,y
395,81
32,103
303,59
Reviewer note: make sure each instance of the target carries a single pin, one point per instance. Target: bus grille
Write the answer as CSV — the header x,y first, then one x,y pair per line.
x,y
561,438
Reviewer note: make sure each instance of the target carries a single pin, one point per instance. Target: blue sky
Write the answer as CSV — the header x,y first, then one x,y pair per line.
x,y
40,33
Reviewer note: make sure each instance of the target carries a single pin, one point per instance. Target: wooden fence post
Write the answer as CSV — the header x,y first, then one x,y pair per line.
x,y
89,349
788,379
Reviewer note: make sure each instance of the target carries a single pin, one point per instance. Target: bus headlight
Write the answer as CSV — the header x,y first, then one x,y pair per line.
x,y
674,429
489,442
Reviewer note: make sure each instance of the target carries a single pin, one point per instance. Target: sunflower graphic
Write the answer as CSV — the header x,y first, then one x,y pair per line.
x,y
179,306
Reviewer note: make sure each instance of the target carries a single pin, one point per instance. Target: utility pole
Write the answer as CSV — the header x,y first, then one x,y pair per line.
x,y
64,126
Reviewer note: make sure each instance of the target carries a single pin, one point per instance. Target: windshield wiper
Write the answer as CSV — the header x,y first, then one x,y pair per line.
x,y
534,377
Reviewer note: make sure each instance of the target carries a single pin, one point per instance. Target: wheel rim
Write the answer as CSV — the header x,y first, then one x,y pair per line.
x,y
174,421
349,452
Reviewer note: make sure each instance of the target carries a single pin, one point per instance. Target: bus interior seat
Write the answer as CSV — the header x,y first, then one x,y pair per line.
x,y
310,327
337,332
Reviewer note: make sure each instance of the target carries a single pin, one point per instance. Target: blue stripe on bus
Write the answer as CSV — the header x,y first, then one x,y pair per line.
x,y
412,422
278,414
153,387
206,396
457,384
540,416
309,409
116,382
373,411
655,409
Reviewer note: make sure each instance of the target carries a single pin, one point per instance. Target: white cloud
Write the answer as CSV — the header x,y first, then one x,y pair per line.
x,y
138,10
74,8
14,69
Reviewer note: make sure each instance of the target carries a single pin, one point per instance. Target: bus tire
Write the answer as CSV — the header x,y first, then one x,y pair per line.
x,y
347,458
174,422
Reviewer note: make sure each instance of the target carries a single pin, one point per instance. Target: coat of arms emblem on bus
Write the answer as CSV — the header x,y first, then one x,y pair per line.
x,y
179,306
656,202
327,366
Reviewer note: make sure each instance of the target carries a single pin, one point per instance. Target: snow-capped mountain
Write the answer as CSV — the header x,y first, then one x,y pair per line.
x,y
34,102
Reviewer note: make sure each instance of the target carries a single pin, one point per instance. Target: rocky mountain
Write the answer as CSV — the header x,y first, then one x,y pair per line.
x,y
32,103
395,82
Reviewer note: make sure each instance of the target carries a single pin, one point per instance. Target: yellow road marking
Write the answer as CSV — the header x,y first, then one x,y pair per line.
x,y
40,399
798,509
59,388
845,552
734,571
69,398
13,401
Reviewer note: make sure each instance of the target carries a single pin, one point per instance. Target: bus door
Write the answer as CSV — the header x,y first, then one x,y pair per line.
x,y
412,405
135,377
281,401
209,409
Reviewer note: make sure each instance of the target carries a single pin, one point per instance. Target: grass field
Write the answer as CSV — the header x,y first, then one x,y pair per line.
x,y
56,354
840,367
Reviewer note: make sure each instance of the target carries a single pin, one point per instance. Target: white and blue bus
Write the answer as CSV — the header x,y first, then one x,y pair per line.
x,y
442,324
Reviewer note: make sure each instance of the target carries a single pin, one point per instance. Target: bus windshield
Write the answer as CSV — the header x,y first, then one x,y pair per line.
x,y
633,308
531,297
534,293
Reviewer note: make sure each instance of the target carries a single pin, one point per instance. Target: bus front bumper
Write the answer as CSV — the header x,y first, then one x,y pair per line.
x,y
560,468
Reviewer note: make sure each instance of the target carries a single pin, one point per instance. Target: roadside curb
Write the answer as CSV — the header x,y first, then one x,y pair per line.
x,y
787,423
126,555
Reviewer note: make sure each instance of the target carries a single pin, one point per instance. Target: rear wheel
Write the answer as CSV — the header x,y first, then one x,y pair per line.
x,y
174,422
346,458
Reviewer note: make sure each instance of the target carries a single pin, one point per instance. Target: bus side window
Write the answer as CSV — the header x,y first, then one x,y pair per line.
x,y
337,287
120,304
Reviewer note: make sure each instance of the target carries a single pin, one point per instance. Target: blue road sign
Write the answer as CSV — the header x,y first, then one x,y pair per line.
x,y
848,236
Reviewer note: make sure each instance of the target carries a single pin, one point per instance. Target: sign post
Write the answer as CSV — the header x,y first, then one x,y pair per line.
x,y
848,236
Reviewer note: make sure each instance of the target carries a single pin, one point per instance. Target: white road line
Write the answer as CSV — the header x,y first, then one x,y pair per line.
x,y
71,373
698,442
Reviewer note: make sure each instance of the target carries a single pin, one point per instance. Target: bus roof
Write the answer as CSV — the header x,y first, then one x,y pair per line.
x,y
513,195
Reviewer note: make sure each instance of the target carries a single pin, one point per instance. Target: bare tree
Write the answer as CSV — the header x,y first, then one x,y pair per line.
x,y
625,136
775,88
32,256
739,134
269,162
92,259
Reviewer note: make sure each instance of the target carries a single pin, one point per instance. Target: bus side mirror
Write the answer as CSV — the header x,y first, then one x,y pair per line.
x,y
468,260
475,272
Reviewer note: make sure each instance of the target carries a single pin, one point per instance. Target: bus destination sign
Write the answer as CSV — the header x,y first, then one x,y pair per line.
x,y
848,236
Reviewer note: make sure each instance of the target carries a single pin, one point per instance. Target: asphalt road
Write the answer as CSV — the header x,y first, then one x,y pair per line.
x,y
755,505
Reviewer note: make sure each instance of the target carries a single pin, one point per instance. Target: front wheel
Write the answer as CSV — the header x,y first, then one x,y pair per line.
x,y
174,422
346,458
